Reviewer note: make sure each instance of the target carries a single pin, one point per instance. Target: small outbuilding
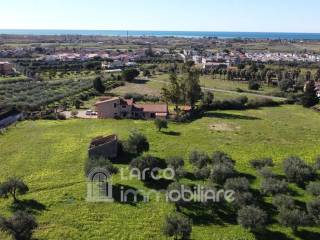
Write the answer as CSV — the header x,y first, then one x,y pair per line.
x,y
104,146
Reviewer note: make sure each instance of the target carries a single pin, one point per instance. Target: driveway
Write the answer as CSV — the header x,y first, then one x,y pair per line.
x,y
81,114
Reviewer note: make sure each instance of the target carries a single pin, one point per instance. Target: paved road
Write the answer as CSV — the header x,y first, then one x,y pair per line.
x,y
224,91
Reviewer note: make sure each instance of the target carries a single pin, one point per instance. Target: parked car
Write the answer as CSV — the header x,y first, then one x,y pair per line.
x,y
91,113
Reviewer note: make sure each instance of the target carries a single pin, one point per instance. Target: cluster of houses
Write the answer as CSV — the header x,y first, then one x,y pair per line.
x,y
116,107
210,60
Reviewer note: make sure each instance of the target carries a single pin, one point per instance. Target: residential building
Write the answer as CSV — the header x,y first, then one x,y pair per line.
x,y
113,107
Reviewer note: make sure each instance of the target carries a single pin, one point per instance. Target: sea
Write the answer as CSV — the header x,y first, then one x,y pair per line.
x,y
186,34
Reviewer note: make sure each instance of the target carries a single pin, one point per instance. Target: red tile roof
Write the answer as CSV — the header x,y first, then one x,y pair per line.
x,y
127,101
105,99
153,108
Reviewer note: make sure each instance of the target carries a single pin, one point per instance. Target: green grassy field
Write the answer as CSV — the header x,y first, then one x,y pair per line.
x,y
12,78
220,83
50,157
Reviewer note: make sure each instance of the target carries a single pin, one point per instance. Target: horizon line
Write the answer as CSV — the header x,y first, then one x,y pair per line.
x,y
136,30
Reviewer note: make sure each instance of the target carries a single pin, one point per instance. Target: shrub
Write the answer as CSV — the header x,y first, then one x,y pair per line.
x,y
266,172
222,158
199,159
61,116
20,225
12,187
177,226
74,113
135,96
314,188
242,199
137,143
230,104
140,97
252,218
178,193
272,186
147,165
283,202
100,162
221,172
160,123
202,173
293,218
254,85
313,208
207,98
130,74
296,170
239,184
260,163
261,102
176,163
286,85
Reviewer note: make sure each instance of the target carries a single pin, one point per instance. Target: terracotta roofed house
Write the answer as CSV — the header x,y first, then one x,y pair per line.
x,y
111,107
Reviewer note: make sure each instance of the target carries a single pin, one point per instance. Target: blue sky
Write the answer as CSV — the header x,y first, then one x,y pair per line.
x,y
193,15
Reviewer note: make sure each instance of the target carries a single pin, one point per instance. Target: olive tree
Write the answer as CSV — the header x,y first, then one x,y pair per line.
x,y
314,188
252,218
148,166
297,171
240,184
13,187
178,194
272,186
199,159
100,162
176,164
282,201
313,208
261,163
20,226
178,226
221,172
293,218
137,143
160,123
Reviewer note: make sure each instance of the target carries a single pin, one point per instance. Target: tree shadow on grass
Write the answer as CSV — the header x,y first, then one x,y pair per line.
x,y
268,235
248,176
307,235
31,206
125,194
190,176
124,158
228,116
161,184
269,208
203,214
172,133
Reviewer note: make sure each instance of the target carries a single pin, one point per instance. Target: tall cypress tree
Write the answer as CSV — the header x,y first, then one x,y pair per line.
x,y
310,97
98,85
